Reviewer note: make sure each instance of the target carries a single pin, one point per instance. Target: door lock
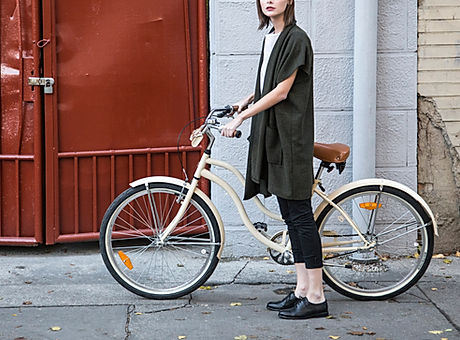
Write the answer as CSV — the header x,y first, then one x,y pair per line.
x,y
47,83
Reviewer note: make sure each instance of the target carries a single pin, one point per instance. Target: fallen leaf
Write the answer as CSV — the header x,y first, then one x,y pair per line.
x,y
380,339
347,312
290,271
50,291
206,288
447,277
364,328
457,253
436,332
447,261
266,258
27,302
20,338
138,313
180,265
14,314
444,339
416,255
206,312
358,333
330,317
320,328
438,256
434,288
240,337
334,337
27,282
55,328
253,337
345,316
182,337
448,330
233,304
370,333
271,270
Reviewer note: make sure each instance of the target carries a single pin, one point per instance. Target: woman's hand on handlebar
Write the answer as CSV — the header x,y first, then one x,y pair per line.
x,y
229,129
244,103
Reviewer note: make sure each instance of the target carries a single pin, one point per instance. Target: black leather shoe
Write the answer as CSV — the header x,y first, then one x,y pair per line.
x,y
305,310
288,302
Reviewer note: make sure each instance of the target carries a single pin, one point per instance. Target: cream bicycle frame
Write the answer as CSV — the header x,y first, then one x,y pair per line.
x,y
201,171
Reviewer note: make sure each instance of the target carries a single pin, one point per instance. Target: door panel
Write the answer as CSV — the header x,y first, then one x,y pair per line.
x,y
20,134
125,87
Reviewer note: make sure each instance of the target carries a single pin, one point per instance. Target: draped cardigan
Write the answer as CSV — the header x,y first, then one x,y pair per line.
x,y
280,159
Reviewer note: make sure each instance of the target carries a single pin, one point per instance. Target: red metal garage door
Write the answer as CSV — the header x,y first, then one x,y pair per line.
x,y
20,133
126,77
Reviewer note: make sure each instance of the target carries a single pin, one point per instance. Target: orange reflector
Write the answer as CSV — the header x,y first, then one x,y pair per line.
x,y
125,259
369,205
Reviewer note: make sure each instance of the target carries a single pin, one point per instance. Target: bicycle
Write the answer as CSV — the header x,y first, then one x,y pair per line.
x,y
163,237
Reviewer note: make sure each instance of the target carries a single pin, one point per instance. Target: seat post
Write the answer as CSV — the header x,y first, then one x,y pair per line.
x,y
322,166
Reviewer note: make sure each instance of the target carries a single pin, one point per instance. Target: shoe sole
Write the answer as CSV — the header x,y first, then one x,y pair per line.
x,y
320,315
278,309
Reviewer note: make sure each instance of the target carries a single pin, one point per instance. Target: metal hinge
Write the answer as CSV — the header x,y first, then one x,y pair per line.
x,y
46,82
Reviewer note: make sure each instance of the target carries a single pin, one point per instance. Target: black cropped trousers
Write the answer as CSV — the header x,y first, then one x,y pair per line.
x,y
304,236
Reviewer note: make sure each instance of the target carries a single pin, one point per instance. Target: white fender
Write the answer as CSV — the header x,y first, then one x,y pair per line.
x,y
201,194
383,182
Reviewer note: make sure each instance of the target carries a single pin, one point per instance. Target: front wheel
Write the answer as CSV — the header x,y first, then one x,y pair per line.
x,y
133,254
399,228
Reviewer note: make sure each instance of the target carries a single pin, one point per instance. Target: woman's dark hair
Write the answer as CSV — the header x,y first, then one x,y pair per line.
x,y
289,15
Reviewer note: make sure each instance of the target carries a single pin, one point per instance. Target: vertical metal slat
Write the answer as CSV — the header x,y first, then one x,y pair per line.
x,y
94,172
75,188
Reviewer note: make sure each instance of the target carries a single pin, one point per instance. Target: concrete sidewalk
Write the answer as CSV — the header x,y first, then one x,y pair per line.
x,y
70,288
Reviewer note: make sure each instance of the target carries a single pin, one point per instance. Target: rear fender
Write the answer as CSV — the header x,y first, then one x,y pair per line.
x,y
385,183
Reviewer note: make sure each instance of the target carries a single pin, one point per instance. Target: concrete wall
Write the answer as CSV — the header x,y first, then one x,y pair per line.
x,y
439,115
234,51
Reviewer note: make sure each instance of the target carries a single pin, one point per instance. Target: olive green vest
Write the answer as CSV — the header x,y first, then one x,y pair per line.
x,y
280,160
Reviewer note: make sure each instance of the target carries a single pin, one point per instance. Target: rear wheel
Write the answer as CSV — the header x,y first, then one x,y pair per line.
x,y
134,255
403,237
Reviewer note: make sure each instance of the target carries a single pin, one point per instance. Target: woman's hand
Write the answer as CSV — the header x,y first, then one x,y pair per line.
x,y
229,129
244,103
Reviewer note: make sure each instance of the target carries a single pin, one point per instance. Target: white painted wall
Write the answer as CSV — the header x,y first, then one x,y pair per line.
x,y
235,44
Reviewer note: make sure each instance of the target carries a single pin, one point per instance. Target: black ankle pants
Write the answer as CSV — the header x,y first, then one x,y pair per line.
x,y
304,236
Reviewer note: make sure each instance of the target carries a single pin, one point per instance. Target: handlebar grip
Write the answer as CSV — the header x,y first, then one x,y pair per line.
x,y
237,134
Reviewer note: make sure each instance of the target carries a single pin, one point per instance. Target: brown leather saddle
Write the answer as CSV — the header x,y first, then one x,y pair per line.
x,y
331,153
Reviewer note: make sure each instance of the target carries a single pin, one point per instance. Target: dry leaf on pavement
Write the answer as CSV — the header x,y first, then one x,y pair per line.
x,y
240,337
334,337
55,328
447,261
358,333
435,332
233,304
438,256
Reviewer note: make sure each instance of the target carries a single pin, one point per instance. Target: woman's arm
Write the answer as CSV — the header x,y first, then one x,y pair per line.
x,y
278,94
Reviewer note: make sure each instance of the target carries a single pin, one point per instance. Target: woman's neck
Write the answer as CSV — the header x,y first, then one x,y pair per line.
x,y
278,23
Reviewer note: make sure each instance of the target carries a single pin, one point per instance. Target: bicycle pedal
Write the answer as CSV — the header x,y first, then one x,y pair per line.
x,y
261,226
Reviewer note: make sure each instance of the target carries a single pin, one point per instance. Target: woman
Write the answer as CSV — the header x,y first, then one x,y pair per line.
x,y
280,160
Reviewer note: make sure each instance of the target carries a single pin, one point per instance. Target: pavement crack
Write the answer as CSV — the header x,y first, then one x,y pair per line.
x,y
448,318
186,305
129,312
239,272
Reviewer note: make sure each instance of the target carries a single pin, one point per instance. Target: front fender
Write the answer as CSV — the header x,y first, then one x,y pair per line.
x,y
201,194
383,182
